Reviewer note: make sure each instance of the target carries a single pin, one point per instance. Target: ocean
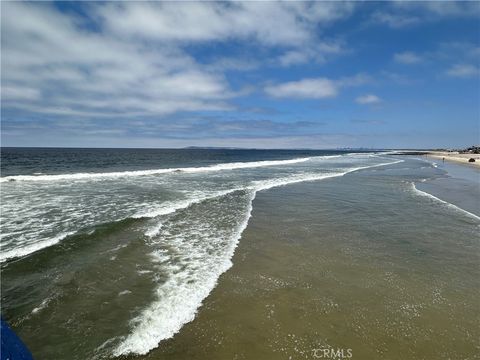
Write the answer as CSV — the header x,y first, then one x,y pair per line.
x,y
239,254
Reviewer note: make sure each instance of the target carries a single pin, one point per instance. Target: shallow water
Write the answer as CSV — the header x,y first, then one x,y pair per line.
x,y
341,250
359,262
460,186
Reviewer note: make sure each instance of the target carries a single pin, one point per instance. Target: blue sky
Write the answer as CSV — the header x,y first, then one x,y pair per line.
x,y
246,74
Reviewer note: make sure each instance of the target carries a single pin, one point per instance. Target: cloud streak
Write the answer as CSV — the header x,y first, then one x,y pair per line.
x,y
220,21
463,71
407,57
368,99
314,88
306,88
403,14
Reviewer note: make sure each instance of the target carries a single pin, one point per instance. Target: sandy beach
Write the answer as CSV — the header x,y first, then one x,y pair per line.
x,y
456,157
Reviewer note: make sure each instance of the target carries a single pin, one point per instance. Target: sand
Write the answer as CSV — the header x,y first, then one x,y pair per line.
x,y
456,157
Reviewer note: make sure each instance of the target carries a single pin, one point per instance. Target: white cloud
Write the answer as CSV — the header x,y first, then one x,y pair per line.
x,y
19,93
441,8
267,22
71,71
407,57
314,88
306,88
368,99
295,57
463,71
401,14
398,78
355,80
135,62
317,54
394,20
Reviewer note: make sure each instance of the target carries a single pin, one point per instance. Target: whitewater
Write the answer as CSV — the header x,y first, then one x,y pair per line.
x,y
178,304
148,246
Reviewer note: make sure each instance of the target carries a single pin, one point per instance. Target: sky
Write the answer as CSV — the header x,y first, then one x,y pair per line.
x,y
240,74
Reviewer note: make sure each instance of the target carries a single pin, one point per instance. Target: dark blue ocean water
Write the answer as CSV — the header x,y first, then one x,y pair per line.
x,y
29,161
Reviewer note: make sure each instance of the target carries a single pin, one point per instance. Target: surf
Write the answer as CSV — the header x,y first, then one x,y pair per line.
x,y
177,302
135,173
446,204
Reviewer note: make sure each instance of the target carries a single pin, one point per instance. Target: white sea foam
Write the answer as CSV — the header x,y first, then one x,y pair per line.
x,y
142,272
268,184
154,230
173,206
28,249
116,248
183,293
272,183
181,296
42,305
92,176
443,202
170,207
22,249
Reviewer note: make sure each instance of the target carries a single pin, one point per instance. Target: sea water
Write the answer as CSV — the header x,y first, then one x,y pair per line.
x,y
112,252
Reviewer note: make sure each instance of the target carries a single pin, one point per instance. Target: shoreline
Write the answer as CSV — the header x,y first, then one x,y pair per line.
x,y
455,157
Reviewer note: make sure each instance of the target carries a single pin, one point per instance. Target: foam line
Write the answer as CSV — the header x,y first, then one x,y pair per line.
x,y
172,206
447,204
26,250
90,176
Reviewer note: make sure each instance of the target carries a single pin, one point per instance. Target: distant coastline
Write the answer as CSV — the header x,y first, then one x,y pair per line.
x,y
457,156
